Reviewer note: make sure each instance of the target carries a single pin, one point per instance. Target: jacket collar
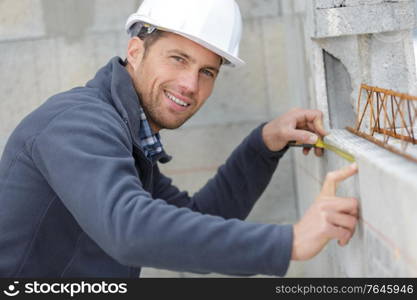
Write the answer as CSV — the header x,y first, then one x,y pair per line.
x,y
117,85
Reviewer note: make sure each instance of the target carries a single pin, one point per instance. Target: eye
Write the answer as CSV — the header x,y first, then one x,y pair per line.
x,y
178,59
208,73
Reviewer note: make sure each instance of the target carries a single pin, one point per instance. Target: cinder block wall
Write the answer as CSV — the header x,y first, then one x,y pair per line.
x,y
48,46
333,47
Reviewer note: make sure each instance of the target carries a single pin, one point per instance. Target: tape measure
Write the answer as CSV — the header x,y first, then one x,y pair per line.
x,y
321,144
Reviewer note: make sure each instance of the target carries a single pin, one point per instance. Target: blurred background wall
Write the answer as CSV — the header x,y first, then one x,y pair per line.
x,y
49,46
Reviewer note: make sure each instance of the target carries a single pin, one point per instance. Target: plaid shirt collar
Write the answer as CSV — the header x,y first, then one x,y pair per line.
x,y
151,143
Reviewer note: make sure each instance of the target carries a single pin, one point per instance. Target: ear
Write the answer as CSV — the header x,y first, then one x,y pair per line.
x,y
135,50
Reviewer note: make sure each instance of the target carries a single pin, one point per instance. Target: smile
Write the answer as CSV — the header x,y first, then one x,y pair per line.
x,y
176,100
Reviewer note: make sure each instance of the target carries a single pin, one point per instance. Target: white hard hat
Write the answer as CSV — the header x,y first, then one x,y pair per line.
x,y
214,24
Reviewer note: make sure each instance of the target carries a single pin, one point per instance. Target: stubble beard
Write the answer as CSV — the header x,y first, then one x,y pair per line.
x,y
154,115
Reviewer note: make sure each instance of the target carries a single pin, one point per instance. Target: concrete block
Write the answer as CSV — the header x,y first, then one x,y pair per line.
x,y
29,75
275,65
45,67
45,60
392,198
240,95
159,273
300,6
13,106
112,15
323,4
296,269
322,265
211,145
75,61
287,7
388,64
395,179
351,259
278,203
293,7
382,261
411,58
295,60
259,8
106,46
363,19
3,141
308,179
122,42
67,18
79,61
191,180
21,19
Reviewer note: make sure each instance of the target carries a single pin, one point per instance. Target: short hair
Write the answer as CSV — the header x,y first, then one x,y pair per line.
x,y
147,33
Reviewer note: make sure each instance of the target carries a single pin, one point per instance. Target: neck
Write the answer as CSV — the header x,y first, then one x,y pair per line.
x,y
155,128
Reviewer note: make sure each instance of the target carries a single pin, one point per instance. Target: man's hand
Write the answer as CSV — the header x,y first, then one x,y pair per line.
x,y
329,217
300,125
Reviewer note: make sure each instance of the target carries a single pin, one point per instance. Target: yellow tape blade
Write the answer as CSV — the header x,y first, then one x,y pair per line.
x,y
321,144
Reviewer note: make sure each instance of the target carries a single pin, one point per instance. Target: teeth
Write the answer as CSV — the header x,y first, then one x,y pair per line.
x,y
176,100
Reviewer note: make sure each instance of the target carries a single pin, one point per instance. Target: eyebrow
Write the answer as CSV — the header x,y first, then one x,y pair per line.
x,y
185,55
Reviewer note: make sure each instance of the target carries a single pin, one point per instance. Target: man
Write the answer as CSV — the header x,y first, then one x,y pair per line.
x,y
80,188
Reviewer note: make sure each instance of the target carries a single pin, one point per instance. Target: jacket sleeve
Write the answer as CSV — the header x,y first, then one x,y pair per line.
x,y
236,187
85,156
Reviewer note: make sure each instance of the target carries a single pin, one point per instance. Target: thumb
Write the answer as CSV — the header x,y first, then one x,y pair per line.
x,y
302,136
318,125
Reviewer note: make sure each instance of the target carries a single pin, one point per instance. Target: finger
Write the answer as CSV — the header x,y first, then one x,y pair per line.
x,y
310,126
318,125
341,234
306,151
302,136
349,206
308,115
345,240
314,116
318,151
343,220
341,205
333,178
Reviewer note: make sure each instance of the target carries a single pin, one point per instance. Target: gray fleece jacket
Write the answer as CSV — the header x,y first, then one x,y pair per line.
x,y
79,198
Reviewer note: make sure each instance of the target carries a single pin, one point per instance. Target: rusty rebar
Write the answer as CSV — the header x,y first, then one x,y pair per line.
x,y
398,112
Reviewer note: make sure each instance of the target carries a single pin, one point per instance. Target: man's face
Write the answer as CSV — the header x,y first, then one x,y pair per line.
x,y
173,79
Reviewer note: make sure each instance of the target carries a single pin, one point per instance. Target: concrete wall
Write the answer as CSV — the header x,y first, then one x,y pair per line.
x,y
48,46
333,47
